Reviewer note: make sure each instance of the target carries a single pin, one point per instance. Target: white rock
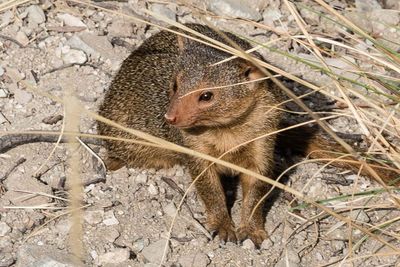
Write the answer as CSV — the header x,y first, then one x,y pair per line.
x,y
111,235
117,256
235,8
35,14
23,97
266,244
139,244
248,244
120,28
367,5
77,43
170,209
153,253
70,20
141,178
109,218
272,14
22,38
198,259
164,11
74,57
4,229
153,190
4,93
93,217
6,18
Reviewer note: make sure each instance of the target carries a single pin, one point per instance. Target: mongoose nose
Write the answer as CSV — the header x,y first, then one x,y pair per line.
x,y
170,119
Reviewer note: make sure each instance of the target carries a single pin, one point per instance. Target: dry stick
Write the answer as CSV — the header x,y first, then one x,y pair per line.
x,y
72,119
12,168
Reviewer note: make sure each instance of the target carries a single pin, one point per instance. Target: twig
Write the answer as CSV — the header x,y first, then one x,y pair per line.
x,y
8,38
12,168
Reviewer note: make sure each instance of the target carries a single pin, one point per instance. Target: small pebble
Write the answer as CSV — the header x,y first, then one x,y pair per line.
x,y
153,190
116,256
248,244
4,229
35,14
109,218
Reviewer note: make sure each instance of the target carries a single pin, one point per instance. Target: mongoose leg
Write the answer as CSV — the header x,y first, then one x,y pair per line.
x,y
114,164
210,189
252,227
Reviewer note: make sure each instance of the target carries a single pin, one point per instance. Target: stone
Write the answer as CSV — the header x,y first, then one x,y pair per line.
x,y
23,97
170,209
94,217
154,252
141,178
35,255
367,5
198,259
120,28
289,256
6,18
272,14
138,245
26,183
117,256
164,11
4,229
1,71
74,56
266,244
77,43
70,20
111,235
99,44
35,14
248,244
4,93
109,218
153,190
22,38
235,8
15,75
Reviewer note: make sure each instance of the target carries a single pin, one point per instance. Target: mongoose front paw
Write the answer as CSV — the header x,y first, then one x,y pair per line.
x,y
224,229
256,235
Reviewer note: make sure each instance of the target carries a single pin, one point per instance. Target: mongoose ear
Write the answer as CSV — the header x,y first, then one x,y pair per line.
x,y
182,43
252,73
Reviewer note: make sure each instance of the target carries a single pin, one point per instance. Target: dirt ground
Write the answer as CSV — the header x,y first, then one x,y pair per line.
x,y
61,45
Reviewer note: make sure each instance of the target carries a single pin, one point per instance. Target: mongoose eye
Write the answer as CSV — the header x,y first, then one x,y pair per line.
x,y
175,87
247,72
206,96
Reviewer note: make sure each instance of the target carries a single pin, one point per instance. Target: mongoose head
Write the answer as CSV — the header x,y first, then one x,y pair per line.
x,y
205,93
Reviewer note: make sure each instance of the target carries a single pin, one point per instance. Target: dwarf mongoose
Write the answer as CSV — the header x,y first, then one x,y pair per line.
x,y
173,88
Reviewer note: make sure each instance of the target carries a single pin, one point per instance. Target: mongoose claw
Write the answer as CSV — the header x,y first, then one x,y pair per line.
x,y
224,230
255,235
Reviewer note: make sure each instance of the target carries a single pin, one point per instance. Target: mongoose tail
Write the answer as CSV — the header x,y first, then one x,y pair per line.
x,y
314,143
10,141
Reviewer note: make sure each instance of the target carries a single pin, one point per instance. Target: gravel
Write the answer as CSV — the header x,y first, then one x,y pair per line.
x,y
129,213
